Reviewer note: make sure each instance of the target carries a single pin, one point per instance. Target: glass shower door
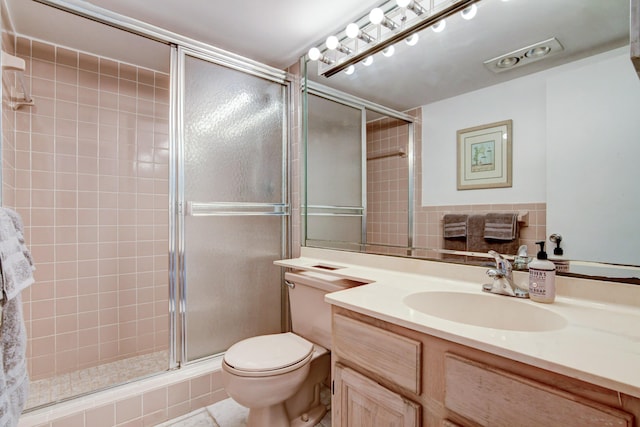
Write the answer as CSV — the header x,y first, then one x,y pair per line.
x,y
336,177
233,215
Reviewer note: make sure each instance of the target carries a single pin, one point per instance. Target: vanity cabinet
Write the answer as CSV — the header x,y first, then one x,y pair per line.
x,y
364,402
401,377
377,353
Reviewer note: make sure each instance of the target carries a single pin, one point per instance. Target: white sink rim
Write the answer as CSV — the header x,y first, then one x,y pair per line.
x,y
486,310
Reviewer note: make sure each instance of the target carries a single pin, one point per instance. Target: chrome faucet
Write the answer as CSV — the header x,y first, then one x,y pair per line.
x,y
502,276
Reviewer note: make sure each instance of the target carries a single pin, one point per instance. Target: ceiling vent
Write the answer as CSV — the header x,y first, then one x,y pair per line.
x,y
524,56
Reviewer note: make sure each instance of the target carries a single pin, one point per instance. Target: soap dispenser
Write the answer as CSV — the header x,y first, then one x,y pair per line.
x,y
542,278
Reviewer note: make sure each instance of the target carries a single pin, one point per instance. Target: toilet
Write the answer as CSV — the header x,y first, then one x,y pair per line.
x,y
279,376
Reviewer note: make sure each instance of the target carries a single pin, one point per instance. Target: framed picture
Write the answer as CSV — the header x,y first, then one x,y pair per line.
x,y
484,156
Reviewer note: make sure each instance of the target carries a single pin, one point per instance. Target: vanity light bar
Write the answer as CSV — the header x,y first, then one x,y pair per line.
x,y
375,37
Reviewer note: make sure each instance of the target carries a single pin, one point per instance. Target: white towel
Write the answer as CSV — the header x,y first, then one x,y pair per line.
x,y
16,263
16,267
14,380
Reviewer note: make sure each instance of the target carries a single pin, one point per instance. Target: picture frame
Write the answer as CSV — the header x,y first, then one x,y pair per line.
x,y
485,156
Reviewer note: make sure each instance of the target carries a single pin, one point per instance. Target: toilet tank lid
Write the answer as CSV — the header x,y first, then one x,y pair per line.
x,y
268,352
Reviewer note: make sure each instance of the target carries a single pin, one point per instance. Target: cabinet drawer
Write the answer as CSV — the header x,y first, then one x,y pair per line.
x,y
490,396
383,353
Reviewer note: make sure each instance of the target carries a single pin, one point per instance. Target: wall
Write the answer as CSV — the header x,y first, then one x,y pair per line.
x,y
387,183
8,118
556,114
521,100
91,184
295,154
593,149
387,203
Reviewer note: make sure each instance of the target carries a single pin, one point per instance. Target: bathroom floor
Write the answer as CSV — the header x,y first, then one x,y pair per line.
x,y
75,383
228,413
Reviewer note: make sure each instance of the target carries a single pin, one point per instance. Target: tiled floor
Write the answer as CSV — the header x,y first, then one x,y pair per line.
x,y
228,413
48,390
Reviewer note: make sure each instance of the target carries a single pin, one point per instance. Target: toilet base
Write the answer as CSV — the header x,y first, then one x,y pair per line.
x,y
276,416
312,417
308,395
273,416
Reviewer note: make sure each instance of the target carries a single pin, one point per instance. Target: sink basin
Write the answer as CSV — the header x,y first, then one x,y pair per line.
x,y
486,310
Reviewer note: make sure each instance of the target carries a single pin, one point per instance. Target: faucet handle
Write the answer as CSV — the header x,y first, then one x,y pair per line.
x,y
495,274
502,264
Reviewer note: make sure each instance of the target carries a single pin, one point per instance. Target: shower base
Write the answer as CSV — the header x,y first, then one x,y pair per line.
x,y
64,386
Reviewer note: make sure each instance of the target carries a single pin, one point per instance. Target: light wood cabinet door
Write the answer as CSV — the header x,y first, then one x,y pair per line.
x,y
490,396
361,402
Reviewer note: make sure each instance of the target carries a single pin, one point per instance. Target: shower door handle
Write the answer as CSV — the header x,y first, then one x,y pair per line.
x,y
236,209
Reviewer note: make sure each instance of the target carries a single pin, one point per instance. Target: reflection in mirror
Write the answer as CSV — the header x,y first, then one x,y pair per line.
x,y
359,170
575,129
335,192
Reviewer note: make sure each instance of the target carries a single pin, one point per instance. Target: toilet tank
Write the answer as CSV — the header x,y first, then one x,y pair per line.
x,y
310,314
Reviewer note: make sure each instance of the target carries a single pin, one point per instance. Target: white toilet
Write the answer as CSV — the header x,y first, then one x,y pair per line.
x,y
278,377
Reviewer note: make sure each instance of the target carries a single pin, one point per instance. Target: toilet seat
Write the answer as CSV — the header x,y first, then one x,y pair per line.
x,y
268,355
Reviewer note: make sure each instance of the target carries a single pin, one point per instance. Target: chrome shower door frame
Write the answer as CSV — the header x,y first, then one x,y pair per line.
x,y
181,208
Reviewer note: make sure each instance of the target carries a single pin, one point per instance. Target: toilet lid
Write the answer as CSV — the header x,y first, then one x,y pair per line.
x,y
268,352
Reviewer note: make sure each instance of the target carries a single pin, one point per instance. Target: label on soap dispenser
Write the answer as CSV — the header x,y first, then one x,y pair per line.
x,y
542,285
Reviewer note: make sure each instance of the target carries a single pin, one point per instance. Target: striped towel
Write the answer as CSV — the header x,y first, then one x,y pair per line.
x,y
455,225
501,226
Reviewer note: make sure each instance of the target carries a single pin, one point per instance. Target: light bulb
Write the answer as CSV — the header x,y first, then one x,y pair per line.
x,y
350,69
367,61
403,3
389,51
469,12
352,30
439,26
412,39
314,54
376,16
332,42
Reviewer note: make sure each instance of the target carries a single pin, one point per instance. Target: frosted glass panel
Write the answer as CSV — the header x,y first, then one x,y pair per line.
x,y
334,153
233,153
334,228
233,288
233,135
334,169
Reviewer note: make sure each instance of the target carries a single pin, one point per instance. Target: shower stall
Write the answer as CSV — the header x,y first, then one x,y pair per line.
x,y
151,175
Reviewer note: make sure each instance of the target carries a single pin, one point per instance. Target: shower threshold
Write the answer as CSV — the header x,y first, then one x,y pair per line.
x,y
64,386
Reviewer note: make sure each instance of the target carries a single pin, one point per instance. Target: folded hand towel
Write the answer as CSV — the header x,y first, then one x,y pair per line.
x,y
455,225
16,263
500,226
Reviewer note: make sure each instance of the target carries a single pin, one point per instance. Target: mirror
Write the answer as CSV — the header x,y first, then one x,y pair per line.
x,y
575,127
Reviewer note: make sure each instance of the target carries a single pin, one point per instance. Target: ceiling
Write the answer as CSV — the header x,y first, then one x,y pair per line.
x,y
273,32
278,32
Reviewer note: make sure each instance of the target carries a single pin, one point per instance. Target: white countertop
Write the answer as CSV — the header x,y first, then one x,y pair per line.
x,y
600,343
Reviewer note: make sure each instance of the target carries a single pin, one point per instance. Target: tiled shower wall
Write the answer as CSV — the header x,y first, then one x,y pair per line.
x,y
387,181
91,184
8,119
387,202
